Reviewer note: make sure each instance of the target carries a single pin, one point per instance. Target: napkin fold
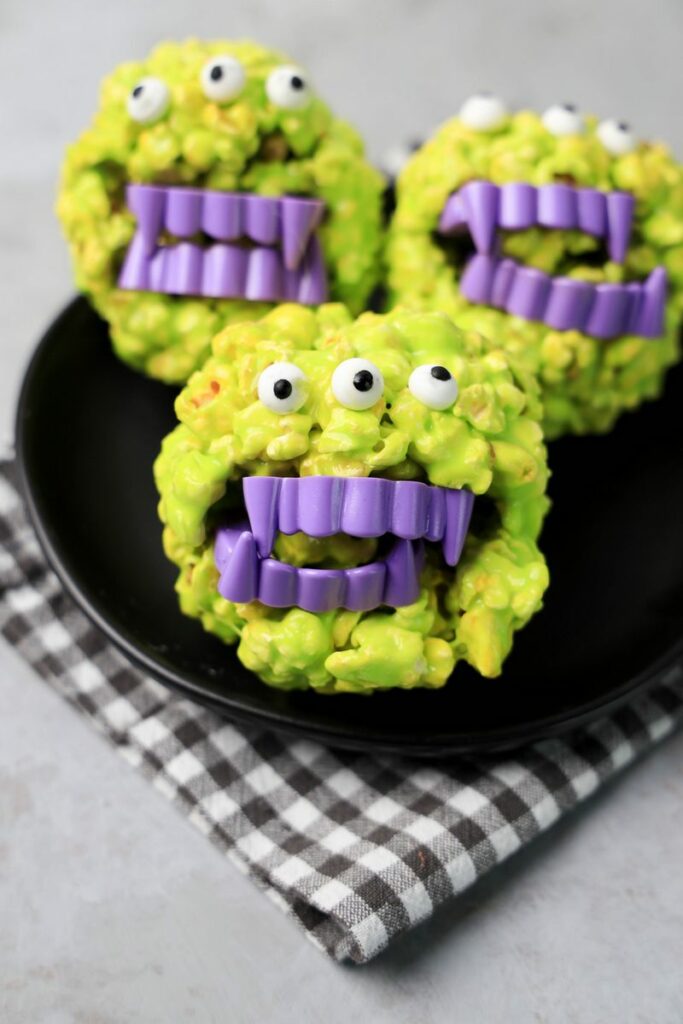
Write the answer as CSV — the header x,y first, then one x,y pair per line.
x,y
356,848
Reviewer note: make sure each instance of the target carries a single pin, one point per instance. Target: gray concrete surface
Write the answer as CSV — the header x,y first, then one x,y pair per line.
x,y
112,909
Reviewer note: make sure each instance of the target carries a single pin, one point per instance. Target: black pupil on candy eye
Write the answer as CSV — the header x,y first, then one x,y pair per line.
x,y
363,380
216,73
138,91
282,388
571,107
622,126
440,373
297,82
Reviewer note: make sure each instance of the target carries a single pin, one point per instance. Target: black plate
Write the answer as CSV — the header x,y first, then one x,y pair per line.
x,y
88,430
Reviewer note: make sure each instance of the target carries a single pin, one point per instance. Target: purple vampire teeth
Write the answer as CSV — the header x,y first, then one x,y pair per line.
x,y
321,506
260,248
599,310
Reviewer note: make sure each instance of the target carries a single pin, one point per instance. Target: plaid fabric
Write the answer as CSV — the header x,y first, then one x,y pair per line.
x,y
356,848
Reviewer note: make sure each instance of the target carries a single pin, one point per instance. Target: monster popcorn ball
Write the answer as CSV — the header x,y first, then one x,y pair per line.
x,y
557,234
357,504
211,184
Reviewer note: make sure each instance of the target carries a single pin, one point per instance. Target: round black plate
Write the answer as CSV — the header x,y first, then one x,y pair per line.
x,y
88,430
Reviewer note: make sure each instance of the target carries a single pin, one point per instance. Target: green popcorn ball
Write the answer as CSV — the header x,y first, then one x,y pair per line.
x,y
590,370
403,397
206,117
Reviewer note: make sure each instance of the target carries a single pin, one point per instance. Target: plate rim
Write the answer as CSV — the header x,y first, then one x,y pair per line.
x,y
282,720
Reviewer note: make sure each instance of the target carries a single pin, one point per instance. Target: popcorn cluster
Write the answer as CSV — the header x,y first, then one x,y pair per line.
x,y
489,441
249,142
586,381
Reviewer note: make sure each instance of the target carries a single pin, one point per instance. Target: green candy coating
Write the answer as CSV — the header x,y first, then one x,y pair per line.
x,y
586,382
489,441
243,144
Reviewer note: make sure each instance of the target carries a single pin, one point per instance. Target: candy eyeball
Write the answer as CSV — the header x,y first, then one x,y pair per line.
x,y
563,119
287,87
357,383
222,78
483,112
434,386
616,137
148,100
282,388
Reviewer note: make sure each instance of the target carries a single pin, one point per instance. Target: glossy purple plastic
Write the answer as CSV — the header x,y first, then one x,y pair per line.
x,y
262,248
598,310
483,208
393,580
321,506
605,310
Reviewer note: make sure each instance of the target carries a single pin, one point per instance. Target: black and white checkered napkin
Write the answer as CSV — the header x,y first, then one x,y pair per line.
x,y
358,849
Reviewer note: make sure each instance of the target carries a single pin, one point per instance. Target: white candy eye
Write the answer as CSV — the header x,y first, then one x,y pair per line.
x,y
282,387
434,386
357,383
483,112
563,119
287,87
616,137
222,78
148,100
